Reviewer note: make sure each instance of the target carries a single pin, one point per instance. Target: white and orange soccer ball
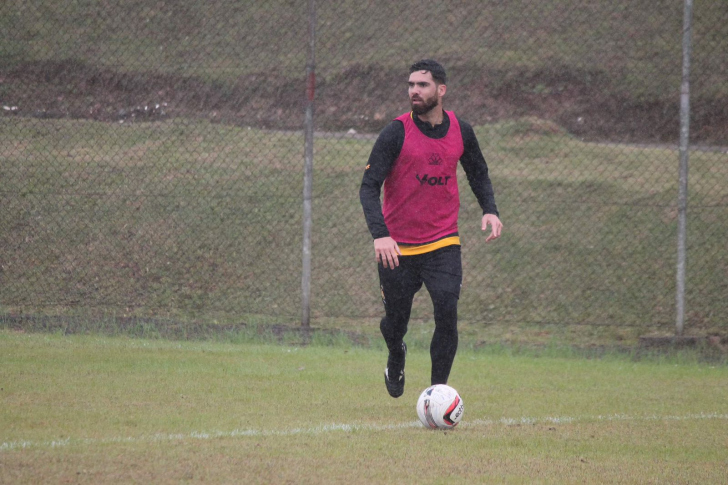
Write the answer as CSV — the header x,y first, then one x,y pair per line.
x,y
440,407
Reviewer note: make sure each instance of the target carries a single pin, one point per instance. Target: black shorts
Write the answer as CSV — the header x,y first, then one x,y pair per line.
x,y
441,271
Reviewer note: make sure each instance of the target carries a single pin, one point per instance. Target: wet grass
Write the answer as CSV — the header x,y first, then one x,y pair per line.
x,y
96,409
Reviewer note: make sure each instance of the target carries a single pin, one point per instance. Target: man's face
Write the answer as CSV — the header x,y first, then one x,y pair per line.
x,y
424,93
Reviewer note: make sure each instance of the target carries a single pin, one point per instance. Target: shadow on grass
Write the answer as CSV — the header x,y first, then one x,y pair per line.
x,y
692,349
164,329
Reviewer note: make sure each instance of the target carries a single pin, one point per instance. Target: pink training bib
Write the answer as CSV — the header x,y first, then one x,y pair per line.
x,y
421,198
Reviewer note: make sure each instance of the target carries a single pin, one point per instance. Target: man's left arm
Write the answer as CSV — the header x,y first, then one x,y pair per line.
x,y
476,171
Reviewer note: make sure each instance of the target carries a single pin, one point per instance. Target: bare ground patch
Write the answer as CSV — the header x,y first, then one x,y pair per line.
x,y
364,98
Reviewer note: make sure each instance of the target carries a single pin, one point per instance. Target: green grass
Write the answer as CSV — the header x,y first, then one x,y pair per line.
x,y
115,410
197,221
502,37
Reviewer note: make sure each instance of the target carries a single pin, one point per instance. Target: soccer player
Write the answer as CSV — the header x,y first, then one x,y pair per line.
x,y
415,229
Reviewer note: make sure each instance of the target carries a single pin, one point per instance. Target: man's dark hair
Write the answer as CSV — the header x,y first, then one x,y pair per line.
x,y
435,68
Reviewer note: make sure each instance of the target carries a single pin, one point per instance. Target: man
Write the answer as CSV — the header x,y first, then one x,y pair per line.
x,y
415,229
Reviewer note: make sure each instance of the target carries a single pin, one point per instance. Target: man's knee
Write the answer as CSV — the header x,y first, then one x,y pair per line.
x,y
446,309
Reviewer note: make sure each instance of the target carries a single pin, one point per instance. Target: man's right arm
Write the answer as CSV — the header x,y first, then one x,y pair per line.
x,y
385,151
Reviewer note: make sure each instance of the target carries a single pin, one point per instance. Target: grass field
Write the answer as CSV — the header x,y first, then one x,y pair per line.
x,y
90,409
150,272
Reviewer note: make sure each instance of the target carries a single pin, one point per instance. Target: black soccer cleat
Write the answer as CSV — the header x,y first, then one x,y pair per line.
x,y
395,384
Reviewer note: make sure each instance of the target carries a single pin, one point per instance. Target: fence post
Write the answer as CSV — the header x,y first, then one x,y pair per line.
x,y
682,200
308,166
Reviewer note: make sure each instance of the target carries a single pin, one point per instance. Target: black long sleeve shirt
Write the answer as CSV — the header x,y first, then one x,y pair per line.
x,y
385,152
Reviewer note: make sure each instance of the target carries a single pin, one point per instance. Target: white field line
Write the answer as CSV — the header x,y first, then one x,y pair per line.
x,y
345,428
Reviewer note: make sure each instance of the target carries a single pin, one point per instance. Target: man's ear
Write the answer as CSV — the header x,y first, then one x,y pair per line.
x,y
441,90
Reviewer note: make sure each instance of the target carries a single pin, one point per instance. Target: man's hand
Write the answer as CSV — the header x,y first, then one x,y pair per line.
x,y
387,250
495,224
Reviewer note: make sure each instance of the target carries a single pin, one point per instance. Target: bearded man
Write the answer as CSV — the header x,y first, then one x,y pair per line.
x,y
415,228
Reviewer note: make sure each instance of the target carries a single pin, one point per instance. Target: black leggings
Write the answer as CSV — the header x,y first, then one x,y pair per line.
x,y
441,272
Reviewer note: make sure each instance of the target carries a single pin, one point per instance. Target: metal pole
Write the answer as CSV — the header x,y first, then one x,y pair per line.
x,y
682,199
308,167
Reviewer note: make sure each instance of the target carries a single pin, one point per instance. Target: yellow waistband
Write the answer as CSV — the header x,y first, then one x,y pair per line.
x,y
426,248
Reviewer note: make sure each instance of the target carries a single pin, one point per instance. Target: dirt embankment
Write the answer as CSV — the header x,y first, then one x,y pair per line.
x,y
364,98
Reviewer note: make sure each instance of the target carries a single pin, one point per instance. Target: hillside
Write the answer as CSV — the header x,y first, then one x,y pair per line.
x,y
601,72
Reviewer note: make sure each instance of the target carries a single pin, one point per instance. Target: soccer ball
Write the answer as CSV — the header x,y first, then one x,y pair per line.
x,y
440,407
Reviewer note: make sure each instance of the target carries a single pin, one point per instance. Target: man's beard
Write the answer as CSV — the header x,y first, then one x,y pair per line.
x,y
426,106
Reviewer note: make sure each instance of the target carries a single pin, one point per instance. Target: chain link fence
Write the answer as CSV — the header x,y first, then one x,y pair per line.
x,y
151,157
